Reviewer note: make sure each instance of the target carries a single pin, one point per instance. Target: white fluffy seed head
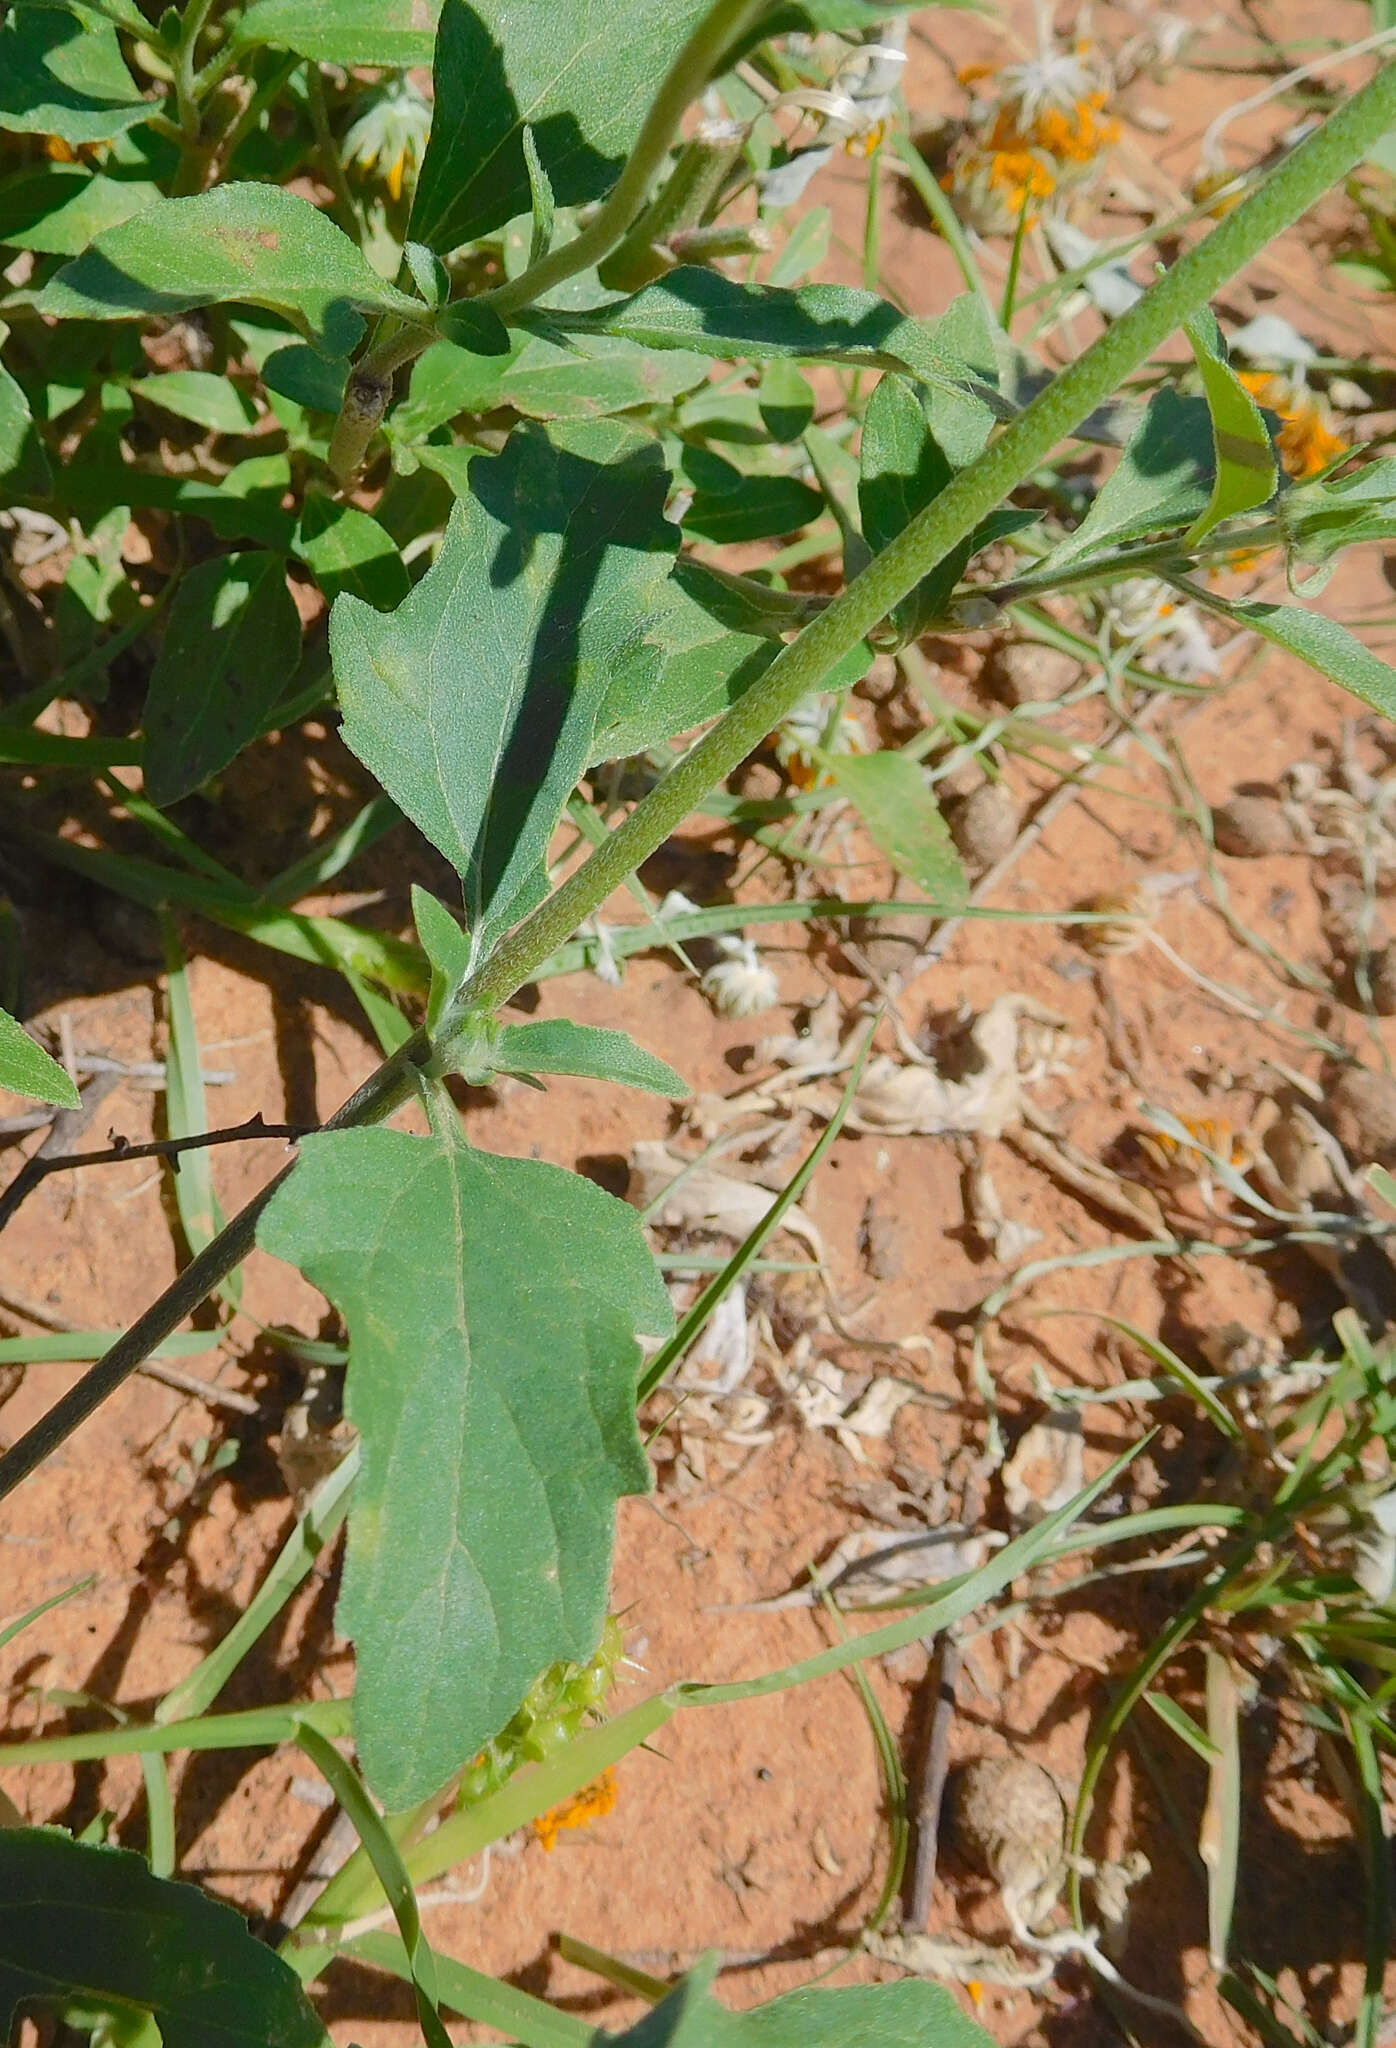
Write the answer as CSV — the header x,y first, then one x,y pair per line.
x,y
739,983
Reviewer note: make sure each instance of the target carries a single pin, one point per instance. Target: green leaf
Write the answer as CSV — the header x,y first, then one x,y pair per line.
x,y
382,1851
58,209
26,1069
393,33
557,1046
579,75
1180,1721
306,377
198,395
1162,481
595,378
902,466
786,401
347,550
447,949
1244,454
493,1308
1321,519
253,244
1319,640
715,315
541,200
24,466
911,2014
475,703
705,669
893,798
761,508
62,73
232,640
79,1922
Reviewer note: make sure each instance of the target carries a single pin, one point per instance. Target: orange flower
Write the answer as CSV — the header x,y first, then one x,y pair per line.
x,y
577,1811
1307,440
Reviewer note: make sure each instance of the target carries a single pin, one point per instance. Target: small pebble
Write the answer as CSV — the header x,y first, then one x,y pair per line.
x,y
1362,1112
1248,827
985,824
1009,1820
1026,672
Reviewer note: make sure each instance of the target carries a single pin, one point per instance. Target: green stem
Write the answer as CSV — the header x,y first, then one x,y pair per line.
x,y
722,26
343,210
192,161
370,386
801,667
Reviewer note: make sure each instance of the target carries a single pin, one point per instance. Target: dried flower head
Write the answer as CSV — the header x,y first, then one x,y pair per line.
x,y
1124,921
739,983
1177,1163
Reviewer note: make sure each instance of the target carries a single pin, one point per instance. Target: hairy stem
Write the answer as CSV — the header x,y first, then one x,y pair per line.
x,y
1288,192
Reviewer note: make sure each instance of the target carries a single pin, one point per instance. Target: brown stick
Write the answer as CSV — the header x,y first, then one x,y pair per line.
x,y
49,1159
935,1765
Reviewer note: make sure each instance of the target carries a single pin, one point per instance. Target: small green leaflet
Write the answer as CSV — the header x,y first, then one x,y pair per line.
x,y
715,315
199,396
596,377
447,948
579,73
786,400
891,795
91,1924
62,73
1163,480
1320,519
232,640
476,702
24,467
493,1309
555,1045
347,550
1319,640
755,508
26,1069
1246,471
902,468
541,200
251,243
393,33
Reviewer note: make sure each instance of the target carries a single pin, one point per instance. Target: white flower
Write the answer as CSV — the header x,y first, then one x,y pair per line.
x,y
1056,79
739,983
